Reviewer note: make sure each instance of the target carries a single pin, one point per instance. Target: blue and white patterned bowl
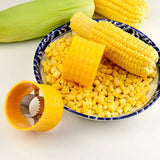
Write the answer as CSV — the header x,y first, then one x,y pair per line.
x,y
64,30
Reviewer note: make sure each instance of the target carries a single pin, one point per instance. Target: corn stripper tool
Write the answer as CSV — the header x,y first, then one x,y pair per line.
x,y
24,104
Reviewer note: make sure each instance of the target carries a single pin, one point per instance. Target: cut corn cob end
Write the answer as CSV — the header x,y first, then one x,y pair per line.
x,y
82,61
82,24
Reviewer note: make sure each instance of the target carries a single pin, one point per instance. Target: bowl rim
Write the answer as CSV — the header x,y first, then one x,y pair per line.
x,y
96,117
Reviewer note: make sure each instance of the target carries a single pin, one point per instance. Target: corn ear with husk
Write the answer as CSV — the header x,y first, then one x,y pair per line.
x,y
37,18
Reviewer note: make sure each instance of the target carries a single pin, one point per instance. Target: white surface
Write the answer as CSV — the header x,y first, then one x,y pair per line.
x,y
74,138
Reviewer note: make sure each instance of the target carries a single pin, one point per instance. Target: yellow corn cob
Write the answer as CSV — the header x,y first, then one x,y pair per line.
x,y
82,61
131,12
122,48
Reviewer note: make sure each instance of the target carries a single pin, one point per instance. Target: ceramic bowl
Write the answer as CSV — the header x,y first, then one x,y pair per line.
x,y
65,31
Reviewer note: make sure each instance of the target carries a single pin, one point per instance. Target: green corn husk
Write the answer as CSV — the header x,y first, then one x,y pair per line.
x,y
37,18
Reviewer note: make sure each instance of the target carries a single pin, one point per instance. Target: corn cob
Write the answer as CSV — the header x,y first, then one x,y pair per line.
x,y
131,12
82,61
39,17
122,48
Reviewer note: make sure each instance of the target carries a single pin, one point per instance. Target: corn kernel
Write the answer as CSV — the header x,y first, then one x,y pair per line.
x,y
79,97
44,63
114,114
65,89
119,110
59,67
101,99
131,87
47,50
115,73
99,109
106,82
79,110
87,112
127,109
101,114
108,114
118,90
53,61
131,94
71,104
138,104
122,101
96,82
128,80
108,71
53,69
49,55
100,87
110,88
105,106
57,86
49,79
144,99
93,112
117,82
148,88
70,97
109,77
87,105
126,90
109,99
56,74
47,69
65,102
112,107
132,101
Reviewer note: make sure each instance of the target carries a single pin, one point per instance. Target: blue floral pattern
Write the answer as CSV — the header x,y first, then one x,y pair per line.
x,y
65,29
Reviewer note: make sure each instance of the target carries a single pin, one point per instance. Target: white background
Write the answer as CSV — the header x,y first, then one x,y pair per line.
x,y
74,138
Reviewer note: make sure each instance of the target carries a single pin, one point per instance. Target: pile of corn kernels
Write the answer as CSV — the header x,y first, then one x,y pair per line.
x,y
114,91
